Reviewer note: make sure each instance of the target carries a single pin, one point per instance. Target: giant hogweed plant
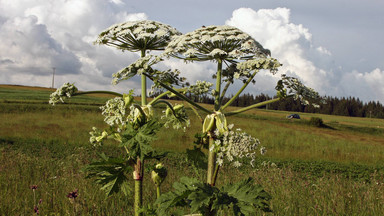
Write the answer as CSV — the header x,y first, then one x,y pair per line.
x,y
135,127
243,57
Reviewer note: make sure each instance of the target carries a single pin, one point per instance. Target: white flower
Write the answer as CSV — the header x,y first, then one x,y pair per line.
x,y
236,144
138,35
217,52
216,42
236,164
114,111
263,150
138,67
64,92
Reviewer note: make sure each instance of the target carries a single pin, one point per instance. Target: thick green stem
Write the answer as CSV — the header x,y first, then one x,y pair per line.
x,y
252,106
197,113
138,175
211,160
218,85
98,92
158,193
138,196
215,174
240,91
163,94
224,90
143,85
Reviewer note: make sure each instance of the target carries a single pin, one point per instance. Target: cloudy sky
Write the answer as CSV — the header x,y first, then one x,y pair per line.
x,y
334,46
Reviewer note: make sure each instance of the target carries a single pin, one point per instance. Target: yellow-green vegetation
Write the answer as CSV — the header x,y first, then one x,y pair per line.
x,y
337,169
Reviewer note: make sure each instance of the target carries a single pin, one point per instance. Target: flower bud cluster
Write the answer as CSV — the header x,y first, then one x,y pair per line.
x,y
97,136
235,145
178,119
159,173
64,92
169,77
138,67
136,114
300,91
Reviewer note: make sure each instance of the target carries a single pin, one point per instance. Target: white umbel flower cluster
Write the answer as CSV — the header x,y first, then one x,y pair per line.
x,y
256,64
300,91
216,42
114,111
138,67
200,87
117,112
232,146
62,93
138,35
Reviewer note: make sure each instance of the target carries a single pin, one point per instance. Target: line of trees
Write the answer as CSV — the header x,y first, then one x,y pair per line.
x,y
345,106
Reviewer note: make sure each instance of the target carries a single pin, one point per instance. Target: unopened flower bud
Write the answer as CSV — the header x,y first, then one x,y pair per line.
x,y
158,174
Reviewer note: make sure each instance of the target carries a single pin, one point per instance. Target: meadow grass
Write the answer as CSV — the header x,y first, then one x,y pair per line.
x,y
335,170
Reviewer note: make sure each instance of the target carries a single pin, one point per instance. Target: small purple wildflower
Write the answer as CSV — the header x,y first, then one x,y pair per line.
x,y
33,187
73,194
36,209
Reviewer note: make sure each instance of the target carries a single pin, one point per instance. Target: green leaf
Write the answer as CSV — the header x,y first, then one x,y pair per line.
x,y
242,197
177,197
248,196
111,174
138,140
197,158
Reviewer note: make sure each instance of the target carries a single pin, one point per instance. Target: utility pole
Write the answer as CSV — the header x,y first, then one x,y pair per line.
x,y
53,77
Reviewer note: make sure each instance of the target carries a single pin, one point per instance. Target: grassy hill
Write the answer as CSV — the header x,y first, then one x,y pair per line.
x,y
336,169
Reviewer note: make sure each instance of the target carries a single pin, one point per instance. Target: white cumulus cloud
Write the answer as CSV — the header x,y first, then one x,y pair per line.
x,y
293,46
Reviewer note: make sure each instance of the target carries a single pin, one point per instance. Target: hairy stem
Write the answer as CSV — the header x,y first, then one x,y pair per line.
x,y
197,113
218,85
158,193
166,103
143,84
252,106
161,95
215,174
225,90
240,91
138,177
211,160
181,96
138,196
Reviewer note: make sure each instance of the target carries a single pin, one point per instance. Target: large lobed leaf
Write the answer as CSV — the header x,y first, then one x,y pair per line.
x,y
241,198
137,140
111,174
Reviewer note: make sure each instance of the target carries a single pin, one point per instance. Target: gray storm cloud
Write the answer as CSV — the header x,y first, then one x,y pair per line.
x,y
29,48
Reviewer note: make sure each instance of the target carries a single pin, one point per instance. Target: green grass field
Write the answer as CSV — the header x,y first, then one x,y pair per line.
x,y
332,170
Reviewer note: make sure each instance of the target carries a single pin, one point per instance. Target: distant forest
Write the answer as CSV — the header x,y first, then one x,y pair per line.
x,y
350,106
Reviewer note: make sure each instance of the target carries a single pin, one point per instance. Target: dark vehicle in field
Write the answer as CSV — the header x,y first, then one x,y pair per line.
x,y
293,116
